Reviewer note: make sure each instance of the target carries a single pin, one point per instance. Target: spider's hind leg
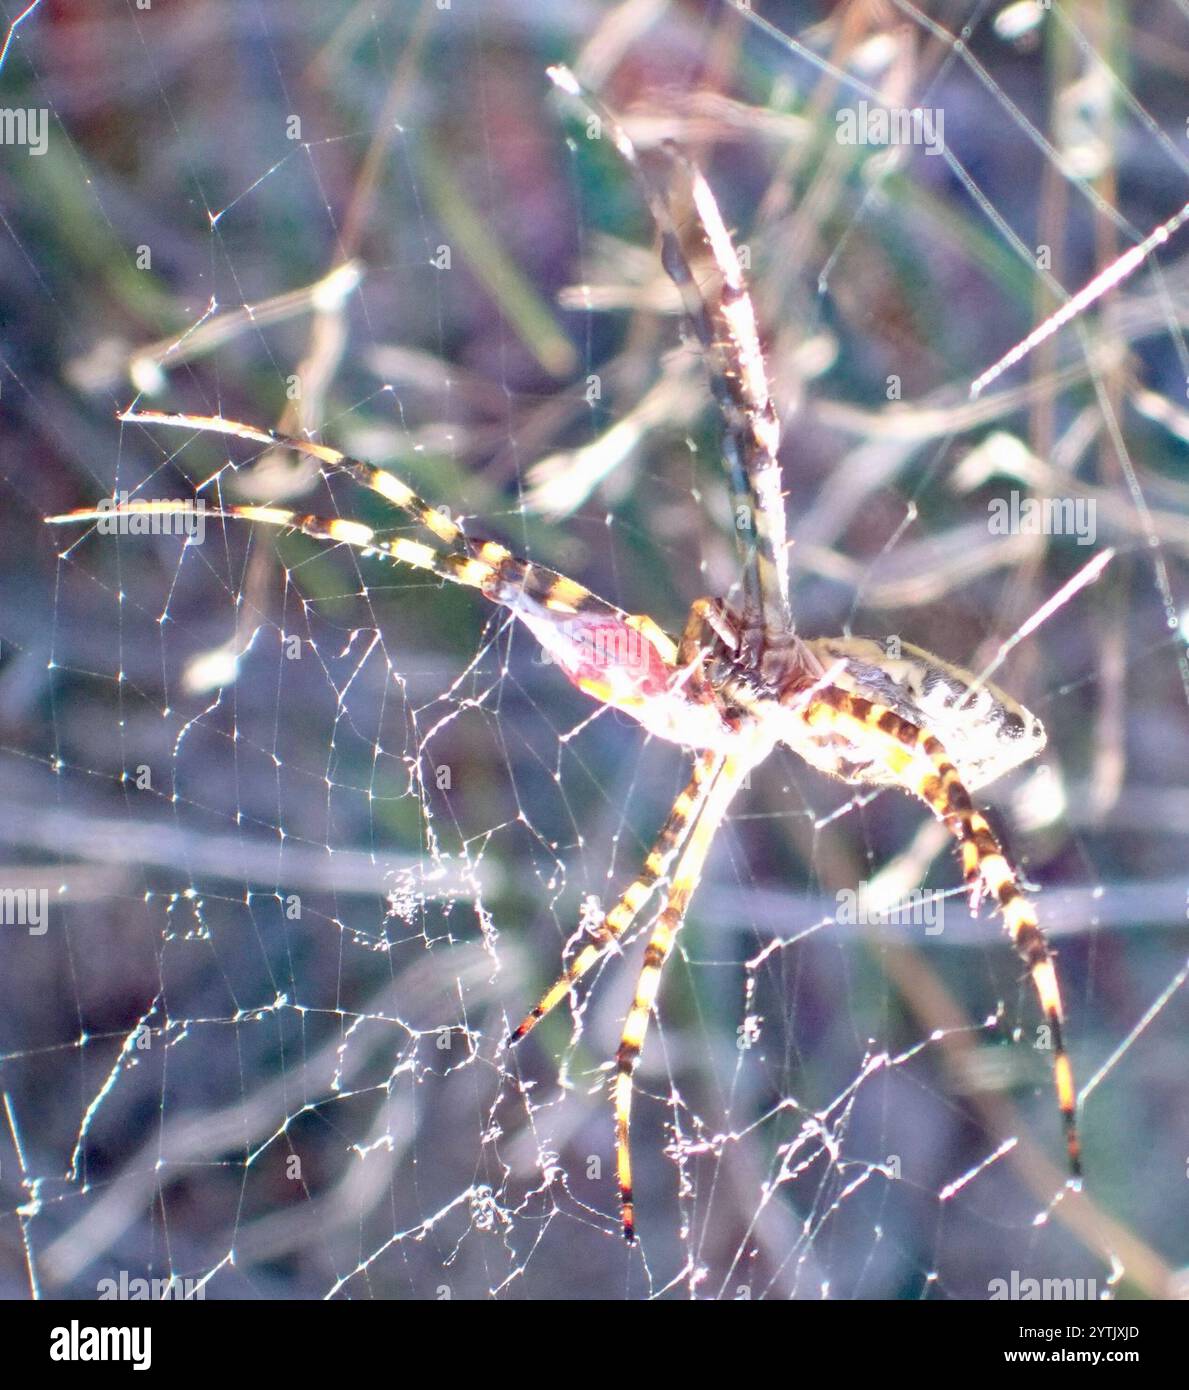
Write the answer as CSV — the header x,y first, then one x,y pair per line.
x,y
919,763
985,866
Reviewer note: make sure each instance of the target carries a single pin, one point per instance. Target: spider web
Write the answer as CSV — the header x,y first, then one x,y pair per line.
x,y
313,832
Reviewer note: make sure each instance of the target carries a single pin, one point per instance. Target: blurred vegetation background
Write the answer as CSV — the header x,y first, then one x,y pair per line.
x,y
295,898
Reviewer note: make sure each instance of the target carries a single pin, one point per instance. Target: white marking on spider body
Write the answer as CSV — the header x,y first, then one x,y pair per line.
x,y
983,730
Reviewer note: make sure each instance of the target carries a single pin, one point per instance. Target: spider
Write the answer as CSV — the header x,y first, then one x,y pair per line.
x,y
740,680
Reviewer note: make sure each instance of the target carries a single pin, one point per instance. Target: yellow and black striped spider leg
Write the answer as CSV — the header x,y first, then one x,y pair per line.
x,y
497,568
701,805
525,588
684,813
700,258
472,571
690,672
378,480
920,764
686,877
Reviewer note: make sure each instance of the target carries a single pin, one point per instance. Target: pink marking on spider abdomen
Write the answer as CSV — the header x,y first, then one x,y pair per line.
x,y
617,665
609,652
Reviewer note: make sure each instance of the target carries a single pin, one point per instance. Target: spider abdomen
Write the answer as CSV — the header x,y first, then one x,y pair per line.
x,y
984,730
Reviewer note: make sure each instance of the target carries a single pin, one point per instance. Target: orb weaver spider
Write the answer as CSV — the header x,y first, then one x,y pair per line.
x,y
740,680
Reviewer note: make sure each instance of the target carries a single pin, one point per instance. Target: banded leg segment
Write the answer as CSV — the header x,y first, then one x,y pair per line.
x,y
497,574
921,765
378,480
619,920
699,256
705,615
701,260
686,878
482,571
484,565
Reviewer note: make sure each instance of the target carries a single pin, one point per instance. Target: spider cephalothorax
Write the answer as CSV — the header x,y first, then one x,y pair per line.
x,y
740,680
